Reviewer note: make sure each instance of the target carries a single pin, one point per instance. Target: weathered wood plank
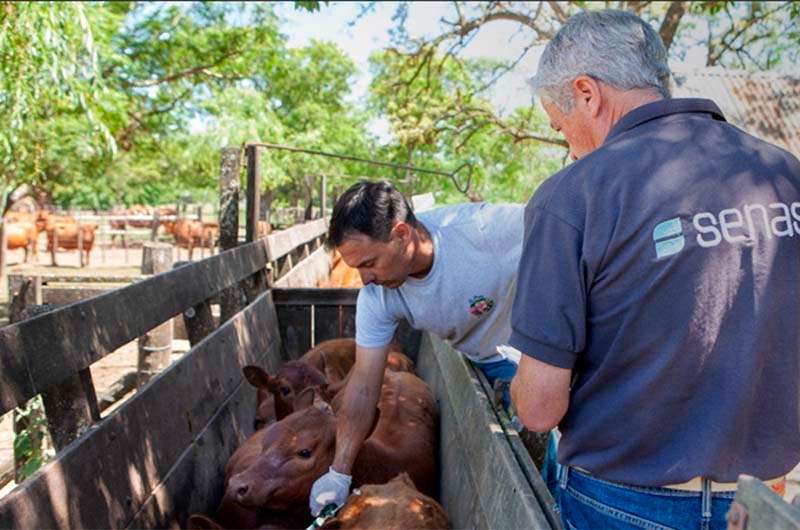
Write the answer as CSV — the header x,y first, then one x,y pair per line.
x,y
104,478
199,322
195,482
295,328
302,297
764,508
69,339
308,272
330,322
15,279
281,243
481,483
253,191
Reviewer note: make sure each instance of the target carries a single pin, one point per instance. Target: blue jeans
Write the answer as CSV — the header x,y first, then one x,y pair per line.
x,y
502,369
589,502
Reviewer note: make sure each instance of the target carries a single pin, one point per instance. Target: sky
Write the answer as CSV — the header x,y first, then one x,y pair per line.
x,y
360,36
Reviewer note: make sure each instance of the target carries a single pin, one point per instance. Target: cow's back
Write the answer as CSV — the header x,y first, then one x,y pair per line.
x,y
404,439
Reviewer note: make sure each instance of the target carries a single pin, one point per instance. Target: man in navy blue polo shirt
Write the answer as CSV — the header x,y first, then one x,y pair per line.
x,y
658,291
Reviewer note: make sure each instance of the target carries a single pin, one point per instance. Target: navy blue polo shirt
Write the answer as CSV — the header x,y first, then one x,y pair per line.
x,y
662,268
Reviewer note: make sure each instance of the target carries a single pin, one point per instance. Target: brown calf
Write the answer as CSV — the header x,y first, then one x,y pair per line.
x,y
396,505
299,449
326,365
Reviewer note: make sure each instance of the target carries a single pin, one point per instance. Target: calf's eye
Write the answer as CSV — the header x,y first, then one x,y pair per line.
x,y
304,453
285,390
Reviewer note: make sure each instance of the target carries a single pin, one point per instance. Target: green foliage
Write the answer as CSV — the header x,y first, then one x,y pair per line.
x,y
129,102
29,441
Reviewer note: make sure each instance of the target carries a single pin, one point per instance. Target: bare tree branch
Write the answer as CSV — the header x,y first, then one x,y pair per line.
x,y
672,19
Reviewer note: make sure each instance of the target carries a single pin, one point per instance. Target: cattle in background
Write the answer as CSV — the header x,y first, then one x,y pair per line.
x,y
299,449
22,234
396,505
64,232
192,233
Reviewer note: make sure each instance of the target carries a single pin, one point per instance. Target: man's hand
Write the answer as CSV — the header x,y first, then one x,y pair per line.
x,y
331,488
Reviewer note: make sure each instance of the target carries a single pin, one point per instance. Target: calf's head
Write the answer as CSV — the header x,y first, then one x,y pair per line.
x,y
277,393
295,452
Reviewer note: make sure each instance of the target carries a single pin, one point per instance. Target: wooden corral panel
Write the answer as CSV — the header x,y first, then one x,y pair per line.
x,y
36,354
309,271
482,483
282,243
310,316
159,456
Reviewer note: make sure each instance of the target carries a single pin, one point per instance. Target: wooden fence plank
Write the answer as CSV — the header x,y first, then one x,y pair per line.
x,y
307,272
103,479
281,243
295,326
195,482
481,482
69,339
302,297
764,508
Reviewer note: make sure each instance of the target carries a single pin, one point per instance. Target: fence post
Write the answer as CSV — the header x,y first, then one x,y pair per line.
x,y
253,191
228,222
154,225
71,405
155,347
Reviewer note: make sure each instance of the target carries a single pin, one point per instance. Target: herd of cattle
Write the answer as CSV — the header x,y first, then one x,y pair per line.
x,y
65,232
268,479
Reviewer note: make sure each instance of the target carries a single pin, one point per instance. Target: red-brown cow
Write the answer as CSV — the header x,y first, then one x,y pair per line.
x,y
192,233
22,234
299,449
329,362
231,514
396,505
276,393
69,235
342,275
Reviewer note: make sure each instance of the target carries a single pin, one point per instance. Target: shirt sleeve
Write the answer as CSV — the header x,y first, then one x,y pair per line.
x,y
375,325
548,318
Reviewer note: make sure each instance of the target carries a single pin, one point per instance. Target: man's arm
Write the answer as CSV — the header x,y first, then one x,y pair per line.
x,y
353,424
540,392
359,405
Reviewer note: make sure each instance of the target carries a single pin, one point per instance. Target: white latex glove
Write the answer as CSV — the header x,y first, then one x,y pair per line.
x,y
331,488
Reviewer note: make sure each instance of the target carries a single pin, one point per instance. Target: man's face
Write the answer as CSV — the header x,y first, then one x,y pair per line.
x,y
575,126
382,263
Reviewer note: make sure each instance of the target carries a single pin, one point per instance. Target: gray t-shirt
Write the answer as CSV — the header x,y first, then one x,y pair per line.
x,y
663,269
466,297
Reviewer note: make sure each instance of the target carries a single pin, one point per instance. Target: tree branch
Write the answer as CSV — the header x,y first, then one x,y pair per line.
x,y
672,19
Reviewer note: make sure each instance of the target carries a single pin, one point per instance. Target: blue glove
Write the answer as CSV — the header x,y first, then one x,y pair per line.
x,y
331,488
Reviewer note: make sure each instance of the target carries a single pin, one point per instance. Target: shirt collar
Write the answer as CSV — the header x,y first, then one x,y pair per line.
x,y
661,108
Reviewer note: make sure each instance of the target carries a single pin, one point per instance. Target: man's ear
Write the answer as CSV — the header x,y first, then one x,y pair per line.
x,y
401,230
588,94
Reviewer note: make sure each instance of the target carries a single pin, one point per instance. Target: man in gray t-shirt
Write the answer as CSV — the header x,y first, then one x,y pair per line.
x,y
450,271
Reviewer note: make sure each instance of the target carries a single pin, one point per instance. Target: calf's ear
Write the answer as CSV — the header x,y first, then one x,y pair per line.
x,y
201,522
304,399
256,376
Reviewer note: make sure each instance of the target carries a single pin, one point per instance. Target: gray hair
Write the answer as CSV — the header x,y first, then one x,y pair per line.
x,y
612,46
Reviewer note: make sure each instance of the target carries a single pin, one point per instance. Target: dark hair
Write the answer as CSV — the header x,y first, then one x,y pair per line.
x,y
371,208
